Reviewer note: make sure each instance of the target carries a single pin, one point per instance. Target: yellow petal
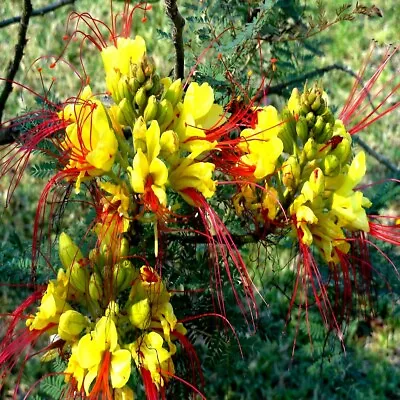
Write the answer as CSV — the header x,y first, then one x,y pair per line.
x,y
120,370
198,99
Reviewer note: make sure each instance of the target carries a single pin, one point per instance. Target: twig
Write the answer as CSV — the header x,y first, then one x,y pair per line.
x,y
277,89
38,12
380,157
177,35
19,53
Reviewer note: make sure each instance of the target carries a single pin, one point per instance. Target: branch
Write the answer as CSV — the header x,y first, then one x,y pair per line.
x,y
19,53
177,35
38,12
277,89
381,158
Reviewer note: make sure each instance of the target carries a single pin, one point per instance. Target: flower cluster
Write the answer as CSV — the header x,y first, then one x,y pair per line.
x,y
162,146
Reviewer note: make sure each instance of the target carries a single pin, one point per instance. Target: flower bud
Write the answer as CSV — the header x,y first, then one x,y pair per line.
x,y
331,165
126,114
288,132
174,92
294,102
151,109
141,97
302,129
140,76
291,172
317,181
140,314
124,248
68,251
319,126
165,114
96,287
79,277
71,324
326,134
310,149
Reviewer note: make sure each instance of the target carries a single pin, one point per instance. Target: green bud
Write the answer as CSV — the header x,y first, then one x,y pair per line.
x,y
288,133
317,181
166,114
302,129
68,251
343,150
79,277
310,117
319,126
126,114
294,103
95,287
140,314
124,248
174,92
134,84
291,172
71,324
123,89
326,134
141,97
140,76
156,89
310,149
331,165
151,109
317,103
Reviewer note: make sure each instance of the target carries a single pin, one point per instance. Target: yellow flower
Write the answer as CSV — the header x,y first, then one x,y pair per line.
x,y
128,51
115,214
52,305
349,205
149,353
90,141
261,144
74,369
148,172
198,113
101,346
188,173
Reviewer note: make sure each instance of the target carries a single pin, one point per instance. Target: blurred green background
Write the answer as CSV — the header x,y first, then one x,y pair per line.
x,y
287,358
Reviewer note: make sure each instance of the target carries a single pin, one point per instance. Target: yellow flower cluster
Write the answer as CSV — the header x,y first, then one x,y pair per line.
x,y
102,336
